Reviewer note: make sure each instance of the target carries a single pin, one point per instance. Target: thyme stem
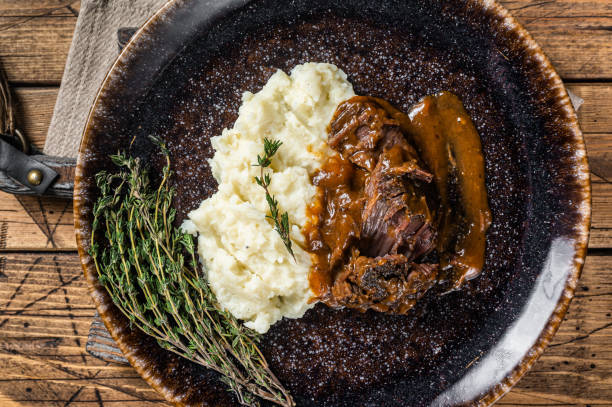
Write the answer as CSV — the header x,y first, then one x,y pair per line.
x,y
280,219
149,268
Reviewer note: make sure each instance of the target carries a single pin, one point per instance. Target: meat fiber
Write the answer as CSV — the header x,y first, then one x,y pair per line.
x,y
390,283
396,218
377,262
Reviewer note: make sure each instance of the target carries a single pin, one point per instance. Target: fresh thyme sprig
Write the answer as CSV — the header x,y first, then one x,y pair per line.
x,y
280,219
149,268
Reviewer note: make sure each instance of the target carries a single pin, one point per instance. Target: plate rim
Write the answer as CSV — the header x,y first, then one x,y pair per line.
x,y
582,228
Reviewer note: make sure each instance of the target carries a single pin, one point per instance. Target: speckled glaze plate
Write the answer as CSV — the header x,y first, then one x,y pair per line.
x,y
181,78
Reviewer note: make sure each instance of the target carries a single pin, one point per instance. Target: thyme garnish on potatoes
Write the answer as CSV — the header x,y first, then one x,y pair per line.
x,y
280,219
149,268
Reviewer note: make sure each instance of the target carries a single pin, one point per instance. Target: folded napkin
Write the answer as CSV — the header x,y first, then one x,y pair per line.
x,y
93,50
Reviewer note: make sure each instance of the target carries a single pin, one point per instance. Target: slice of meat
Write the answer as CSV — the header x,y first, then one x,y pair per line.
x,y
374,224
390,283
396,217
356,129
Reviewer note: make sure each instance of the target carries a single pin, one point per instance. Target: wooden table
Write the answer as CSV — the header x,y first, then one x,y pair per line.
x,y
45,309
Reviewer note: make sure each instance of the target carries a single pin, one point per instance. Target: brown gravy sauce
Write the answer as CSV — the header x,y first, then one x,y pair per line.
x,y
442,172
448,143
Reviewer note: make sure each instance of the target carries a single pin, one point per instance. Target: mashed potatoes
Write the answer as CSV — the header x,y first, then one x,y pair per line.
x,y
249,268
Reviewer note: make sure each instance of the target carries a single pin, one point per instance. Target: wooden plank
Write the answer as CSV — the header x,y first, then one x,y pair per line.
x,y
601,222
34,111
599,152
579,47
35,39
558,8
34,8
595,115
29,222
45,314
36,36
577,368
575,34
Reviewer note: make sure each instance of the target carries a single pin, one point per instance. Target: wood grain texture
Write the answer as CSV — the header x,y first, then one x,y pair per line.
x,y
36,8
35,37
601,229
45,314
32,223
575,34
576,369
595,115
45,309
34,111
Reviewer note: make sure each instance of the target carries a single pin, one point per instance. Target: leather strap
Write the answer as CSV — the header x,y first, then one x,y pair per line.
x,y
57,172
21,167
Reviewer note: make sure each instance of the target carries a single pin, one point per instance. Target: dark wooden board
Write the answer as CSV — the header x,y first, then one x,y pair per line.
x,y
46,314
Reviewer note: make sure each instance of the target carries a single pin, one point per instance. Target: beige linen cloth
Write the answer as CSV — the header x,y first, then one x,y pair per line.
x,y
93,50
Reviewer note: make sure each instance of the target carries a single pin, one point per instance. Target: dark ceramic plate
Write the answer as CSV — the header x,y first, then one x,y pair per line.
x,y
181,78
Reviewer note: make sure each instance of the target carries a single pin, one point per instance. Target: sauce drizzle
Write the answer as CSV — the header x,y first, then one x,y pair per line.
x,y
448,143
419,179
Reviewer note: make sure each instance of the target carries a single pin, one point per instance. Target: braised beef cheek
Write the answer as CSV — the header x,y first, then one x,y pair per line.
x,y
381,232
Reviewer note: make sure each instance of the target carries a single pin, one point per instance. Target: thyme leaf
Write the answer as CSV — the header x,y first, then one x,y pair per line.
x,y
280,219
